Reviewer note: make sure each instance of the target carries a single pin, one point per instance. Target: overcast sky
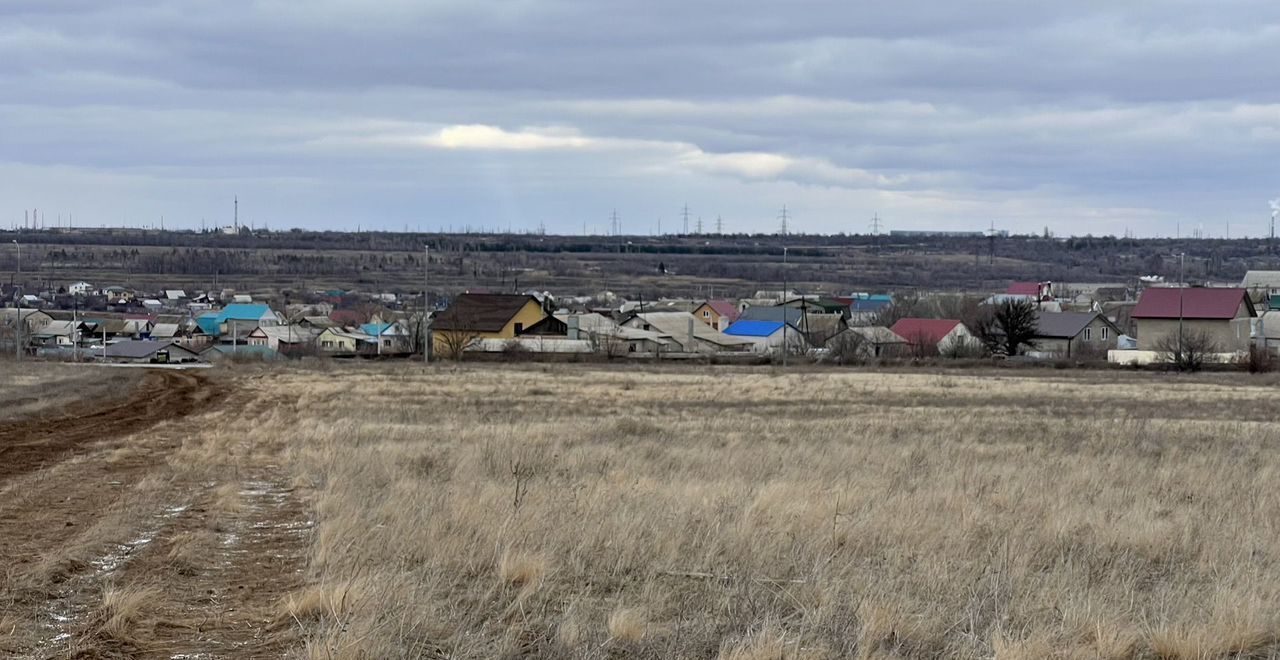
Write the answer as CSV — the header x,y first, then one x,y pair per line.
x,y
1082,116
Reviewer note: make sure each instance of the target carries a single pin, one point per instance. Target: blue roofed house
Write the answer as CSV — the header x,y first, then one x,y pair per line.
x,y
865,310
393,338
236,317
767,336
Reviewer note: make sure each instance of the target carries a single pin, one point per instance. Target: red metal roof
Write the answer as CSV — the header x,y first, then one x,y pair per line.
x,y
927,330
1196,303
724,308
1023,289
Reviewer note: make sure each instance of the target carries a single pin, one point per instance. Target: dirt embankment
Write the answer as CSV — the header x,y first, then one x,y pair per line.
x,y
28,445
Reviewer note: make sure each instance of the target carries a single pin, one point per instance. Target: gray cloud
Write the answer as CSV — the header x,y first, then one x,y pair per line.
x,y
1082,116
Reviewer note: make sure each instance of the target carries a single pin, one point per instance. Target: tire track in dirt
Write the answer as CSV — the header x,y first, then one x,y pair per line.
x,y
216,572
28,445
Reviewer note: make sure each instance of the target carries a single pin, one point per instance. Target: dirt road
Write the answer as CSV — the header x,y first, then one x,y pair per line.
x,y
134,529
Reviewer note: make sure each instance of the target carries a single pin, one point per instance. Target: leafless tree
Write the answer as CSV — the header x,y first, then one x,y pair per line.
x,y
1190,353
452,340
849,347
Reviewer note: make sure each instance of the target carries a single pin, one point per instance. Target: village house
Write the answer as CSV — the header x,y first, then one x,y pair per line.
x,y
930,336
686,333
346,342
769,336
876,341
235,316
80,289
1074,334
144,351
474,316
392,338
719,314
609,338
1224,315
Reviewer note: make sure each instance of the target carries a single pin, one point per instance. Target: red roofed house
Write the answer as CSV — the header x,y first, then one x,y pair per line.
x,y
719,314
1222,313
930,336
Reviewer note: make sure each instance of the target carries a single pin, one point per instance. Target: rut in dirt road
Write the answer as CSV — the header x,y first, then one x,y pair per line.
x,y
28,445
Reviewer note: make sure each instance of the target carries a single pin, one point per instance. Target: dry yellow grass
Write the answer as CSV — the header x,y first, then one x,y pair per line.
x,y
752,514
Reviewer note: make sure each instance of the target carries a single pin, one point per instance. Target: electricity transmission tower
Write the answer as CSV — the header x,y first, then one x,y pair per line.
x,y
783,217
685,214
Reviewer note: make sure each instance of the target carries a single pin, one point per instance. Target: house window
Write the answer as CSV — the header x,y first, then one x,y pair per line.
x,y
706,314
386,342
326,344
1104,333
519,328
1088,334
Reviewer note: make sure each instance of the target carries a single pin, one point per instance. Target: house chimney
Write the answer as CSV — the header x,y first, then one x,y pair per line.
x,y
574,330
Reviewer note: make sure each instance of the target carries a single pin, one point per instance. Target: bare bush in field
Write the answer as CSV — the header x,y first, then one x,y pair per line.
x,y
477,512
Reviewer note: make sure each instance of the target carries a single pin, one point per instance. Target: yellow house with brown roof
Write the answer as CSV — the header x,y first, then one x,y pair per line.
x,y
474,316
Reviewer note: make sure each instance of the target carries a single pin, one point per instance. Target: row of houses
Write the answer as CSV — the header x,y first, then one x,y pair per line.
x,y
770,322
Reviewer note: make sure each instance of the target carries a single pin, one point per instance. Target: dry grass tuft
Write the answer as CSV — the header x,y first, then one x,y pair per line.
x,y
522,570
186,551
122,610
628,624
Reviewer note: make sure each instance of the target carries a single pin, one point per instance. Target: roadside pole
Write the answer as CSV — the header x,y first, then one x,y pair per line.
x,y
426,303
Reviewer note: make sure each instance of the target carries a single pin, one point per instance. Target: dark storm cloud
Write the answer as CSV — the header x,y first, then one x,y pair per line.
x,y
1026,113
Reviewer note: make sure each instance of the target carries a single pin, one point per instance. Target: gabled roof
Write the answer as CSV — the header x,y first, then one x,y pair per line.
x,y
1024,289
723,308
779,313
1191,303
138,348
164,330
754,328
878,334
929,330
676,325
244,312
481,312
1066,325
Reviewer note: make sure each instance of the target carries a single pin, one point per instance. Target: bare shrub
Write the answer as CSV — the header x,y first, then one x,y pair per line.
x,y
1188,353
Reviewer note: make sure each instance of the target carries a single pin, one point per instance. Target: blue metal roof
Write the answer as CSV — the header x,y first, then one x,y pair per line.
x,y
211,325
870,304
754,328
244,312
374,329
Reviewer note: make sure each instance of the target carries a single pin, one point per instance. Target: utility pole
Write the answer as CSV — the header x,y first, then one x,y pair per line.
x,y
426,303
18,247
1182,257
17,333
785,348
783,217
236,215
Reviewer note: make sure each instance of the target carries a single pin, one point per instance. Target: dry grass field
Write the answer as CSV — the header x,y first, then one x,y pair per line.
x,y
396,511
